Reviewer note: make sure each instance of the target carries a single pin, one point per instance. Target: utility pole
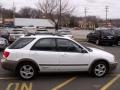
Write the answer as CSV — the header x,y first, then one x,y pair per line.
x,y
13,9
3,17
60,14
106,11
85,11
0,11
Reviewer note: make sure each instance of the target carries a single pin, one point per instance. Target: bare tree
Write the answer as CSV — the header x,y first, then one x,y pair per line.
x,y
28,12
0,10
25,12
55,9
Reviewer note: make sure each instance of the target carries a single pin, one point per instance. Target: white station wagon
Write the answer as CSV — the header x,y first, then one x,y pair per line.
x,y
49,53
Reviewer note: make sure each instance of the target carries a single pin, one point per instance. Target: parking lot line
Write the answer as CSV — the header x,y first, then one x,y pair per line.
x,y
95,45
111,82
64,83
7,78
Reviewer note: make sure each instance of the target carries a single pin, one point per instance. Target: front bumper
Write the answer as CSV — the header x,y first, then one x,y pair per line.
x,y
107,40
113,66
8,64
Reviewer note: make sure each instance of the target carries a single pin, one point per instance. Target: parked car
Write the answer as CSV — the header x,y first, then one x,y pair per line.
x,y
49,53
16,34
65,33
101,36
3,43
4,33
117,36
42,32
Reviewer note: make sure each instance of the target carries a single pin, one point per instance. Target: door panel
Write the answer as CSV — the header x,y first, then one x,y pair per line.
x,y
47,61
73,61
45,54
71,56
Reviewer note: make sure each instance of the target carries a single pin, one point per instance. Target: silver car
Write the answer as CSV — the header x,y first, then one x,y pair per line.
x,y
17,33
65,33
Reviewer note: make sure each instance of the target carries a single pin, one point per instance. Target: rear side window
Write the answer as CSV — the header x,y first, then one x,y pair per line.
x,y
20,43
45,45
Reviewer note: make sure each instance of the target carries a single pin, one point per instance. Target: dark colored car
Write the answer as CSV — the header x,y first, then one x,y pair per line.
x,y
4,34
117,37
101,36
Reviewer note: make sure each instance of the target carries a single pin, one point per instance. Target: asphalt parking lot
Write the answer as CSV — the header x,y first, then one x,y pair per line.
x,y
65,81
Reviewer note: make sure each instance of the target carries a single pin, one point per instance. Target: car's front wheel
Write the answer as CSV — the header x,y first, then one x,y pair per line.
x,y
99,69
26,71
88,40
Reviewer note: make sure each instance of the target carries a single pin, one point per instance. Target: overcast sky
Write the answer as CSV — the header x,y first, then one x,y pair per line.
x,y
94,7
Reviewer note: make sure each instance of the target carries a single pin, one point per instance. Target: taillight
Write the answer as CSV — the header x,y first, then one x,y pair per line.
x,y
5,54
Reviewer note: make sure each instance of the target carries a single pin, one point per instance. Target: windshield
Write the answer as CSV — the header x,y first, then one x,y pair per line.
x,y
65,32
107,32
42,32
116,32
17,32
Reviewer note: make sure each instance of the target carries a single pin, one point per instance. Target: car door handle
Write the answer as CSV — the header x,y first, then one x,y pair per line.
x,y
63,54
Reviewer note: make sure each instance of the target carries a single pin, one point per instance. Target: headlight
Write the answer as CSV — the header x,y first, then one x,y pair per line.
x,y
115,59
103,37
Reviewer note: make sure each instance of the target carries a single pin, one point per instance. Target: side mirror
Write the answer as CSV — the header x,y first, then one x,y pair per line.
x,y
83,51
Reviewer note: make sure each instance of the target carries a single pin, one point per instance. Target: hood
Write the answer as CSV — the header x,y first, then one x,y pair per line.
x,y
101,52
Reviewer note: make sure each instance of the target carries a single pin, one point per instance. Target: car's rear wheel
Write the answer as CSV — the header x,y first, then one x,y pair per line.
x,y
99,69
110,44
26,71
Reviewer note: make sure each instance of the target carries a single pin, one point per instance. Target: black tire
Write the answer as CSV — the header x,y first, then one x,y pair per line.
x,y
97,71
30,69
110,44
88,40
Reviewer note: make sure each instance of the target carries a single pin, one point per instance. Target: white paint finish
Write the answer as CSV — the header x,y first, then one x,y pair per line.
x,y
59,61
72,61
46,58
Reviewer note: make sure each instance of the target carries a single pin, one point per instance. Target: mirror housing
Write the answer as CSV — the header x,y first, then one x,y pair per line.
x,y
83,51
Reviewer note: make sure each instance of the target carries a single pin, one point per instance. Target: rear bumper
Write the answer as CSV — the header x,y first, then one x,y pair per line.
x,y
8,65
113,66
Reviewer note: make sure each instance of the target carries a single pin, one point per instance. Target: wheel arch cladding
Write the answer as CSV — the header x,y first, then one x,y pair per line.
x,y
28,60
96,61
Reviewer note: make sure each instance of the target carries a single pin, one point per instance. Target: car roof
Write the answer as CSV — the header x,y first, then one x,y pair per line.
x,y
46,36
